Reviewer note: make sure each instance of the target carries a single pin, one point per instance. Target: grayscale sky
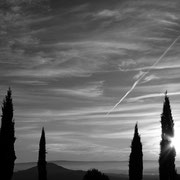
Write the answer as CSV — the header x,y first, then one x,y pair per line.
x,y
69,62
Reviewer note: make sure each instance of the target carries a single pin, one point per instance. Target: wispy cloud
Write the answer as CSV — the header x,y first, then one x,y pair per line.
x,y
26,128
149,96
150,78
31,82
90,91
107,13
50,73
86,58
69,66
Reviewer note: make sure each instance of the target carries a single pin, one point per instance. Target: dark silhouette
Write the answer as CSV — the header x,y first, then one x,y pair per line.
x,y
167,169
7,139
42,172
56,172
136,157
94,174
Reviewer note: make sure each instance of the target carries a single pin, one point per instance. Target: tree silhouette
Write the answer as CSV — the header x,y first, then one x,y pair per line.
x,y
7,139
42,172
94,174
136,157
167,155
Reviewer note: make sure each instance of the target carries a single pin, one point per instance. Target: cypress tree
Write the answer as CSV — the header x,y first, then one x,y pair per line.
x,y
7,139
136,157
42,172
167,155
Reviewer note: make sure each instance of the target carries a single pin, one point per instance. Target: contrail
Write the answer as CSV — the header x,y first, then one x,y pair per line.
x,y
144,74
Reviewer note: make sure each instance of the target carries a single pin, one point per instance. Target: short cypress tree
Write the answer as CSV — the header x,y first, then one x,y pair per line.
x,y
42,172
7,139
136,157
167,155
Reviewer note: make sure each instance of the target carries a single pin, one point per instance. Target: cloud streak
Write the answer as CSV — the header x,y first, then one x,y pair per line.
x,y
144,74
152,96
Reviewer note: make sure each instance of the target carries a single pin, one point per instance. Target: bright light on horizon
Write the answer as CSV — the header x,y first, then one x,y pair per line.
x,y
175,142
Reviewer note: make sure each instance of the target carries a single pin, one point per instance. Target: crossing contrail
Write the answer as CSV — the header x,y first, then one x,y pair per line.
x,y
144,74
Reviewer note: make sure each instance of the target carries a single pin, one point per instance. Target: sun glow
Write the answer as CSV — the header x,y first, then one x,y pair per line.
x,y
175,142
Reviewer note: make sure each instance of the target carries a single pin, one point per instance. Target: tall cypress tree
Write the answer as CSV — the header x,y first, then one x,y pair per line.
x,y
42,172
167,155
136,157
7,139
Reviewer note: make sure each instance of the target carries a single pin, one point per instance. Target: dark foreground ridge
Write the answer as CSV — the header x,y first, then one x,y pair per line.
x,y
55,172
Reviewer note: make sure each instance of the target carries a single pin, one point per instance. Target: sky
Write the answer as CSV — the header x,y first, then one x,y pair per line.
x,y
69,62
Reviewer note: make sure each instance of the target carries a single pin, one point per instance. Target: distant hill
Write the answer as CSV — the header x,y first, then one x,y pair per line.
x,y
56,172
115,167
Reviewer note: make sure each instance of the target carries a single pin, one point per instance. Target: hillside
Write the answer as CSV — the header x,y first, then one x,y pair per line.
x,y
56,172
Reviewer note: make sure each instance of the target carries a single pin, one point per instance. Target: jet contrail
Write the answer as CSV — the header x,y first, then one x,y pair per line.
x,y
144,74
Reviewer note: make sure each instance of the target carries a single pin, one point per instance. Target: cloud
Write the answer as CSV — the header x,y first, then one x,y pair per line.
x,y
75,148
127,64
24,4
25,41
150,78
118,135
158,88
51,135
83,112
85,59
79,8
107,13
104,45
150,96
50,73
26,128
137,76
90,91
31,82
68,67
